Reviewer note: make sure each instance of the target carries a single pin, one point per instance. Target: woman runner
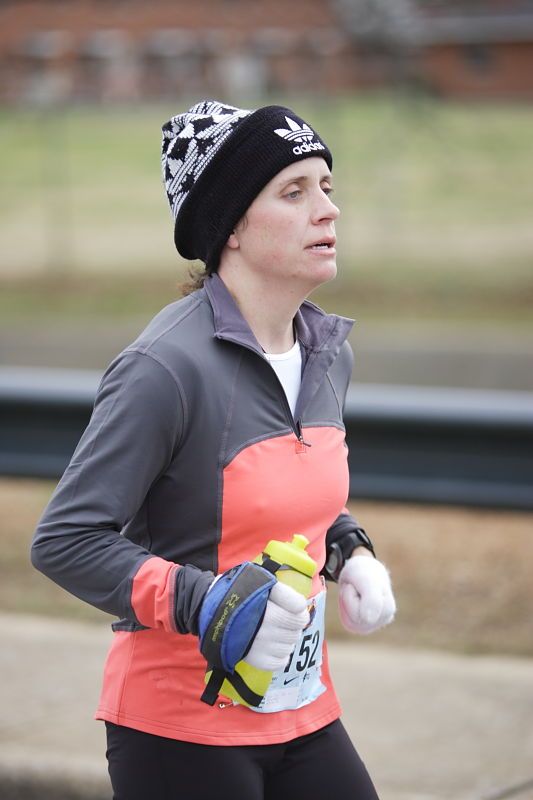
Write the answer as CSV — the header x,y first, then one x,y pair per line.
x,y
218,429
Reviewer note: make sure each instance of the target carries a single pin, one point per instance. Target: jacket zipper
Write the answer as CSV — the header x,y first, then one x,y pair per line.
x,y
296,425
301,439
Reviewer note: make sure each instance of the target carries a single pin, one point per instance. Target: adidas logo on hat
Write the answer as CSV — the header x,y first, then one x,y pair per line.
x,y
295,134
299,134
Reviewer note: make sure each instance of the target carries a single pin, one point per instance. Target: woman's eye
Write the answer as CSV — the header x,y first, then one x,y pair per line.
x,y
327,190
294,194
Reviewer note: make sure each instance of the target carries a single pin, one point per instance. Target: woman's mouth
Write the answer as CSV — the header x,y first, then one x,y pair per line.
x,y
322,247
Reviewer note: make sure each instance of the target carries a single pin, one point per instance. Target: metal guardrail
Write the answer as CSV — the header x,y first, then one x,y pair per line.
x,y
418,444
453,446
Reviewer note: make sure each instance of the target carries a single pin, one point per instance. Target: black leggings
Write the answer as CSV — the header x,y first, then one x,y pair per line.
x,y
312,767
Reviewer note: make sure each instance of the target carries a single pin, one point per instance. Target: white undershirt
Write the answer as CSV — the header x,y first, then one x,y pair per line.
x,y
288,368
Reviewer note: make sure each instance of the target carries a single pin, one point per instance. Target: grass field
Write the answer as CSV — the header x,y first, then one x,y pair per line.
x,y
462,577
436,206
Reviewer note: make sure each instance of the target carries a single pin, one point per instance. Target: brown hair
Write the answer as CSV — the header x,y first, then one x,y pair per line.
x,y
197,276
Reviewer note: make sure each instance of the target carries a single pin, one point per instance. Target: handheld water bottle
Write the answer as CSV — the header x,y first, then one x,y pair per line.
x,y
292,565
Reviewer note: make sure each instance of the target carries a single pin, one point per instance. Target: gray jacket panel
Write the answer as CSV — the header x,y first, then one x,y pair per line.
x,y
171,412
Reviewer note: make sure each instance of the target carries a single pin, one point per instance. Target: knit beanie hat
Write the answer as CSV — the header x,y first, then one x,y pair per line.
x,y
217,158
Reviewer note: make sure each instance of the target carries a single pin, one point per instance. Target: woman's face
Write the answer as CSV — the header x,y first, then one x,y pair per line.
x,y
288,233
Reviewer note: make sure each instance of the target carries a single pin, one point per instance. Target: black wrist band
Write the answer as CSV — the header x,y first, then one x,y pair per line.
x,y
340,551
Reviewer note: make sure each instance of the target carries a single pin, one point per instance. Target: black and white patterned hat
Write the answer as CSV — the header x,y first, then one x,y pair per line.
x,y
216,159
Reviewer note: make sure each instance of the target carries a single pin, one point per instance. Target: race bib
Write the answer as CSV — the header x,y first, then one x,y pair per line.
x,y
299,683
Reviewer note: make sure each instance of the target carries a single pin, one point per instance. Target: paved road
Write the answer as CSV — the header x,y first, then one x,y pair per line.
x,y
430,726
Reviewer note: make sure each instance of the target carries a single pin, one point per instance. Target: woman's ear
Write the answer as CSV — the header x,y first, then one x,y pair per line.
x,y
233,239
233,242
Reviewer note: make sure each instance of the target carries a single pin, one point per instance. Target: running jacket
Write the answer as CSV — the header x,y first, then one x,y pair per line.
x,y
192,457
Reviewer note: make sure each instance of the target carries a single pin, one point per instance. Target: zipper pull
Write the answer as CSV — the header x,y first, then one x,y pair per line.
x,y
301,444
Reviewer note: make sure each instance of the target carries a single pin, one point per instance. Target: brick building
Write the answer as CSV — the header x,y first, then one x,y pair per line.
x,y
480,55
120,50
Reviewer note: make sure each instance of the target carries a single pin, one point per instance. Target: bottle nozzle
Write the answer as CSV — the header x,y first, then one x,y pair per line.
x,y
300,541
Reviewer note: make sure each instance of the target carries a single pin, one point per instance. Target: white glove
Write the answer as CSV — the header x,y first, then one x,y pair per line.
x,y
286,615
366,602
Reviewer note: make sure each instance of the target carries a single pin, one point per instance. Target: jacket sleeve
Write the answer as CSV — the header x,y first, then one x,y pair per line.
x,y
345,522
132,436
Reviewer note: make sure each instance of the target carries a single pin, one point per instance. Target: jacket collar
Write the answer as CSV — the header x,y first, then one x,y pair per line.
x,y
321,336
316,330
229,322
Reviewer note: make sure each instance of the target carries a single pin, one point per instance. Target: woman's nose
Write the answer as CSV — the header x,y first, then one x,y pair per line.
x,y
325,208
